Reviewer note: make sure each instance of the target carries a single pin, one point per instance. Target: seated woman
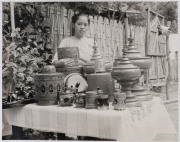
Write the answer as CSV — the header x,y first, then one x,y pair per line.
x,y
80,26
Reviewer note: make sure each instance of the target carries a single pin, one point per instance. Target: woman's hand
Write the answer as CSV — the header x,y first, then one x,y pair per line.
x,y
67,62
80,62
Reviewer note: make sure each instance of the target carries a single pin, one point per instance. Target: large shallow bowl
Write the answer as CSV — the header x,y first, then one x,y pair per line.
x,y
75,78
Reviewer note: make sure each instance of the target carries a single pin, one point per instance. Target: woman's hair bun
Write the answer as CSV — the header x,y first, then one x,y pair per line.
x,y
77,14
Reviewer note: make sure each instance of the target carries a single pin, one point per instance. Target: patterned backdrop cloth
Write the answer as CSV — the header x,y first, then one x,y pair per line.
x,y
137,123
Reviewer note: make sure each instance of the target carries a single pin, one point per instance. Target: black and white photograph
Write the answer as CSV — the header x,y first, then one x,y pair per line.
x,y
90,70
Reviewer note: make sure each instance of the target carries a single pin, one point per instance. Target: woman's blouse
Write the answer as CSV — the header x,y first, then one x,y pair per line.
x,y
84,44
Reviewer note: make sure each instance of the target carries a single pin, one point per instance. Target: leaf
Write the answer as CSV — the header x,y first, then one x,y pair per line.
x,y
10,64
31,62
34,66
6,74
17,29
21,69
12,46
4,57
35,43
13,34
29,40
30,79
48,46
25,58
19,50
18,35
5,69
39,42
28,71
33,33
22,75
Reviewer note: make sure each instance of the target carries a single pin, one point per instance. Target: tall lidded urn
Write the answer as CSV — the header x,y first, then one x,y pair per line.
x,y
126,73
144,63
98,74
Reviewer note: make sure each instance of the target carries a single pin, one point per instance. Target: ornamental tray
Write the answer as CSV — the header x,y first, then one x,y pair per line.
x,y
6,105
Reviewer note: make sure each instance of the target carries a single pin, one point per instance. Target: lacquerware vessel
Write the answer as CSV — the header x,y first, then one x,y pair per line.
x,y
144,63
47,85
126,73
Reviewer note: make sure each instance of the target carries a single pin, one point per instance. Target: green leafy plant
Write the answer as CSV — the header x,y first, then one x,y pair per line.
x,y
27,49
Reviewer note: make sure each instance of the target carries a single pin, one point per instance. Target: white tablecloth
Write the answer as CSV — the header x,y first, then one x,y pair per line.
x,y
138,123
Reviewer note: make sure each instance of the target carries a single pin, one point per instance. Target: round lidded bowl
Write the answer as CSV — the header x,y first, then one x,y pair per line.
x,y
136,58
125,71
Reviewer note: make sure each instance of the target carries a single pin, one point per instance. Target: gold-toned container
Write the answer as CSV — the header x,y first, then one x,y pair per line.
x,y
91,100
47,85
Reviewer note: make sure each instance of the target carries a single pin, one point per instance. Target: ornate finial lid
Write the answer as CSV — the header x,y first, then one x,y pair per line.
x,y
49,69
131,39
96,55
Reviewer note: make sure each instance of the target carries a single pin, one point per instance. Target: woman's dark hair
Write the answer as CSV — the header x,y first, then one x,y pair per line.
x,y
76,17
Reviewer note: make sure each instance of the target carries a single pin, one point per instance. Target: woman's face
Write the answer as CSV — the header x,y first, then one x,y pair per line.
x,y
81,26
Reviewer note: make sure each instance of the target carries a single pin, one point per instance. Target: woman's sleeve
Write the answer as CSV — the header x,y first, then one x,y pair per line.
x,y
55,57
63,43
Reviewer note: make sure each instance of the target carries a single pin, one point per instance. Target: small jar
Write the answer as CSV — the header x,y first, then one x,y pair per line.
x,y
102,102
119,100
80,100
91,100
66,99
